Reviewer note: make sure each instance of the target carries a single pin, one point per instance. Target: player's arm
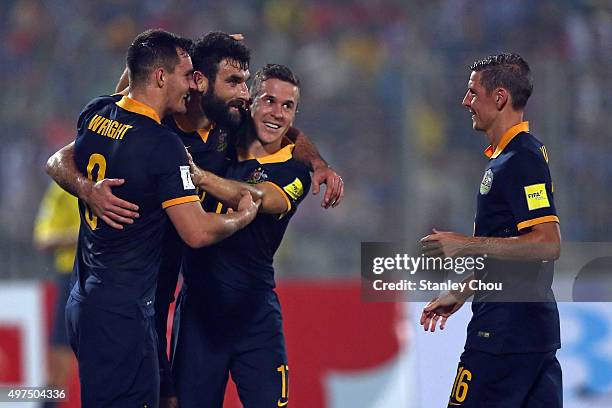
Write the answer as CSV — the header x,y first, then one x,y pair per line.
x,y
273,200
199,228
114,211
442,307
542,242
306,152
124,83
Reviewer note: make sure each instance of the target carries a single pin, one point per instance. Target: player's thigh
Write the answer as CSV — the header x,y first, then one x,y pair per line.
x,y
262,378
200,361
493,381
117,355
547,392
259,367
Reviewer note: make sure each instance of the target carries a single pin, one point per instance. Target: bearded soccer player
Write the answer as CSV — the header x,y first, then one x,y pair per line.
x,y
512,338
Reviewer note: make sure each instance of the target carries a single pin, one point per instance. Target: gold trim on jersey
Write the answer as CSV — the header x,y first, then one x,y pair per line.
x,y
204,132
536,221
279,156
180,200
505,139
134,106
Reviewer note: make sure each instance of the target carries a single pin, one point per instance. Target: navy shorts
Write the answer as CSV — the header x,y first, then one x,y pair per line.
x,y
230,333
529,380
117,355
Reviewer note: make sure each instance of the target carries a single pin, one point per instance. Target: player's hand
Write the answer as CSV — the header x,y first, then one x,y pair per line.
x,y
335,186
444,243
168,402
197,174
248,207
440,309
237,37
108,207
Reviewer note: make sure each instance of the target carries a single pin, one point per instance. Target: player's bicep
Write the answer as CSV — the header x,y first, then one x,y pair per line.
x,y
275,200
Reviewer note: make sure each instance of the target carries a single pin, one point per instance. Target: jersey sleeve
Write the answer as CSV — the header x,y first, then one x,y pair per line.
x,y
293,181
171,171
529,190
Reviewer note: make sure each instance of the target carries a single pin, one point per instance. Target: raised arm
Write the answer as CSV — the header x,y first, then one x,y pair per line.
x,y
199,228
124,83
111,209
273,201
306,152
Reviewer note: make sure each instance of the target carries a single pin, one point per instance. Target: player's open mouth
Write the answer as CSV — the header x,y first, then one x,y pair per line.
x,y
271,125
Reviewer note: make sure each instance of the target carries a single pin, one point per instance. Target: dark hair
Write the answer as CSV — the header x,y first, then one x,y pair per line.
x,y
214,47
508,71
275,71
152,49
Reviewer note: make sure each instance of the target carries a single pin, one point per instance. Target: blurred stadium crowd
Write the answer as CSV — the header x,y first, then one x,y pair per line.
x,y
382,83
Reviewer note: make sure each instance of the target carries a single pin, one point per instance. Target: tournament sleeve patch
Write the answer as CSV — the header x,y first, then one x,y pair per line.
x,y
295,189
536,196
186,177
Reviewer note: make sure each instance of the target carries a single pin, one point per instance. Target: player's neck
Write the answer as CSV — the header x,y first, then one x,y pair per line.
x,y
192,121
258,149
501,125
150,99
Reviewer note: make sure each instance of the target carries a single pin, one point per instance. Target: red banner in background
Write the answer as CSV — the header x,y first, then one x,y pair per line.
x,y
11,354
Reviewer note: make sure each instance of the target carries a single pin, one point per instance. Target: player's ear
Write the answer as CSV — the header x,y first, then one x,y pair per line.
x,y
160,77
201,81
501,98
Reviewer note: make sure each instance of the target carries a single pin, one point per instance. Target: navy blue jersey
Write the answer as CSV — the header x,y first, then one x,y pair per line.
x,y
244,260
211,149
123,138
515,194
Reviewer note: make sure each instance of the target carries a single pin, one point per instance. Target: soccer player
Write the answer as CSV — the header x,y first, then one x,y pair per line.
x,y
110,309
229,319
510,351
56,229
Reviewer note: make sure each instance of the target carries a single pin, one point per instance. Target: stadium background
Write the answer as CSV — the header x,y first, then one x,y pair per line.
x,y
382,82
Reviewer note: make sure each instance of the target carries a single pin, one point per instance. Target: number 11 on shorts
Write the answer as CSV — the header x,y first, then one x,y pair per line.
x,y
283,369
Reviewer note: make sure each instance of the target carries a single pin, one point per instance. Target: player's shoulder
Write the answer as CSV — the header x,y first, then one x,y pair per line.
x,y
527,150
100,102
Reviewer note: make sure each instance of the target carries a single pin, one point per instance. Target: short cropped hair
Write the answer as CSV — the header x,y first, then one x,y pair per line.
x,y
273,71
153,49
508,71
213,48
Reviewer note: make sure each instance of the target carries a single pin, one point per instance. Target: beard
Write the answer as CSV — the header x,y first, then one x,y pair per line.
x,y
219,112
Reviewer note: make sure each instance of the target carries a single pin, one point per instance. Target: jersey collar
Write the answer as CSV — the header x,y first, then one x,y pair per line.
x,y
132,105
505,139
203,132
280,156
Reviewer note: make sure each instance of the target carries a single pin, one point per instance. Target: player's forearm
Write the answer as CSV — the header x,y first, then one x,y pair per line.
x,y
229,192
305,151
528,247
62,168
220,226
467,292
